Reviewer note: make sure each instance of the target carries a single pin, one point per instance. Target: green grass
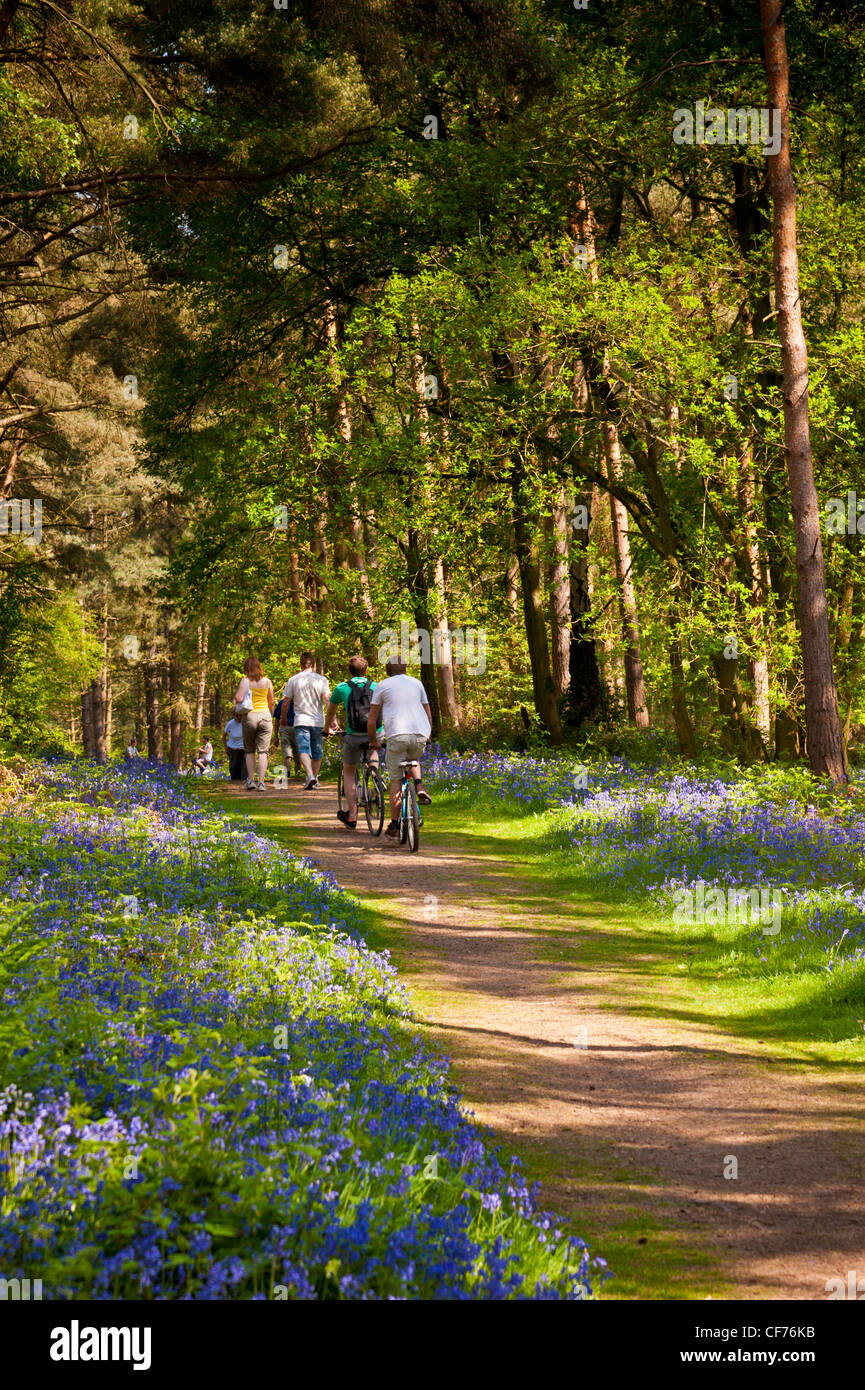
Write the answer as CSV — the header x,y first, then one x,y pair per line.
x,y
793,1010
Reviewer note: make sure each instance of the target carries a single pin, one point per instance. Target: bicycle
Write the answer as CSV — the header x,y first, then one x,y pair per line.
x,y
371,792
410,818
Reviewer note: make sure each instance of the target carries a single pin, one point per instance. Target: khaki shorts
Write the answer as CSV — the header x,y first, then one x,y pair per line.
x,y
399,749
287,742
257,730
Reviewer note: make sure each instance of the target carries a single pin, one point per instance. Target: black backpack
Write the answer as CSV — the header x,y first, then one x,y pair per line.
x,y
358,707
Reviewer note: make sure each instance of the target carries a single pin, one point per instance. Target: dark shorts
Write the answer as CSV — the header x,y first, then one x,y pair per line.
x,y
310,741
352,749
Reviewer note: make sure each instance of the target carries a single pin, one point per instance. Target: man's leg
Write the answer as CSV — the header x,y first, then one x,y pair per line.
x,y
302,735
316,745
395,754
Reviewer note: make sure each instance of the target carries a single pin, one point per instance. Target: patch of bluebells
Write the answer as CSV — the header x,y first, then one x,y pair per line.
x,y
657,829
217,1091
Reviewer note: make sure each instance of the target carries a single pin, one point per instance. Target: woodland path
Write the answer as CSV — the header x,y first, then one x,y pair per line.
x,y
636,1120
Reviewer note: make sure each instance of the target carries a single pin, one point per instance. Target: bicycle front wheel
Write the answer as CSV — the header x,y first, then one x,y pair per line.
x,y
374,800
412,819
340,792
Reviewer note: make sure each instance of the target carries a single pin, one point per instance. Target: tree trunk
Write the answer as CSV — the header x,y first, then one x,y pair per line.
x,y
418,586
543,689
87,738
109,711
759,664
634,684
449,713
512,591
349,554
450,708
151,703
203,636
173,694
584,678
97,715
560,593
681,715
822,719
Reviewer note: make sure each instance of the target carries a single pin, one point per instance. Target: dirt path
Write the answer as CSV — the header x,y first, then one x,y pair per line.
x,y
627,1117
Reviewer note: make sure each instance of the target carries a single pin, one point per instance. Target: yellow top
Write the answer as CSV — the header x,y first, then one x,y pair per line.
x,y
259,697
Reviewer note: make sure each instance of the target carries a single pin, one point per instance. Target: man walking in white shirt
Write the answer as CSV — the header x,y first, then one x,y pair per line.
x,y
402,702
310,693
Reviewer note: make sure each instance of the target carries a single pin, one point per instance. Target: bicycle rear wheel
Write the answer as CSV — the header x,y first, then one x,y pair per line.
x,y
374,800
412,819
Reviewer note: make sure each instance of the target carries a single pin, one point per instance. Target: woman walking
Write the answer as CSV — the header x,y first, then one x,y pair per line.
x,y
254,695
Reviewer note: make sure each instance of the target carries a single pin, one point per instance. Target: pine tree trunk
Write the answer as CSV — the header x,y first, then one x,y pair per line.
x,y
634,684
681,714
543,689
512,588
418,586
638,712
448,708
151,703
87,738
203,637
560,593
584,678
344,553
109,711
759,664
173,699
822,719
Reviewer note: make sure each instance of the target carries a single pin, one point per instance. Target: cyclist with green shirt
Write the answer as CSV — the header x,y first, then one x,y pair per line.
x,y
355,697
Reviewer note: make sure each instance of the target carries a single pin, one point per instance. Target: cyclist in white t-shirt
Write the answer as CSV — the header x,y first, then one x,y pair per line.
x,y
403,705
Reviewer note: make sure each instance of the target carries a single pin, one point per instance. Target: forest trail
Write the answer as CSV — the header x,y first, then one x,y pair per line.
x,y
633,1120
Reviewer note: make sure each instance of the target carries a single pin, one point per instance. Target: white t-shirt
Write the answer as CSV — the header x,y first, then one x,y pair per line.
x,y
309,691
234,733
402,700
208,750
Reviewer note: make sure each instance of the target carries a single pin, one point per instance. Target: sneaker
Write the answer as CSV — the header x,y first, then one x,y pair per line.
x,y
263,787
392,831
250,785
424,797
311,785
349,824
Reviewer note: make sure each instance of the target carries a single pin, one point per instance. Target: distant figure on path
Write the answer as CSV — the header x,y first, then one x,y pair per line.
x,y
254,695
232,742
309,693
